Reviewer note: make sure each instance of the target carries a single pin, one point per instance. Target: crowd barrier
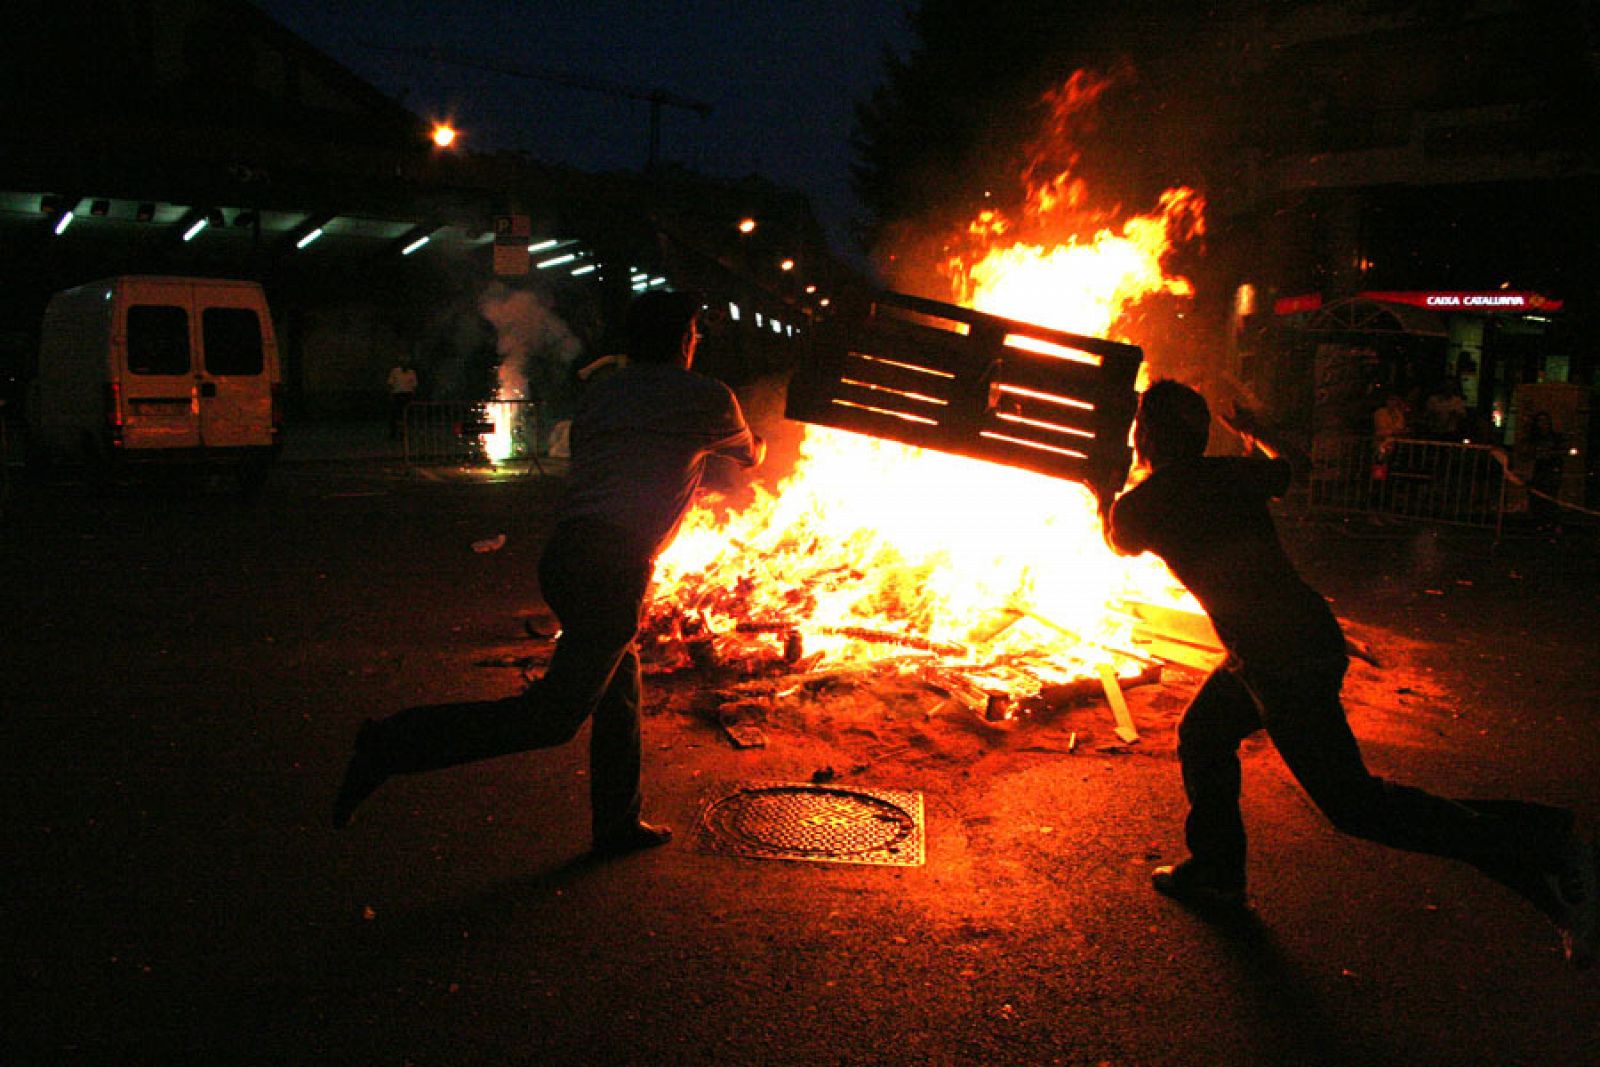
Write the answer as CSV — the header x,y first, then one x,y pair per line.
x,y
505,433
1430,481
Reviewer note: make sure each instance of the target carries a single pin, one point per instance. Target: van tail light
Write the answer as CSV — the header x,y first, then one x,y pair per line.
x,y
277,409
114,413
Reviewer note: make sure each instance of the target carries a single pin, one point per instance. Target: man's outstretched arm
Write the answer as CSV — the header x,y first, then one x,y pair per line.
x,y
1257,435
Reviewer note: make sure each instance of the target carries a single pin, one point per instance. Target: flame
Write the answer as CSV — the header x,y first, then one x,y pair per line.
x,y
500,443
871,549
1082,286
872,543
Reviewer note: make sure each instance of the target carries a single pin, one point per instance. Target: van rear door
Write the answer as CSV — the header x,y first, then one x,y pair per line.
x,y
233,381
157,406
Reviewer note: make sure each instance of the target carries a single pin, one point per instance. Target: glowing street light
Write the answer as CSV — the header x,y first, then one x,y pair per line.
x,y
444,135
787,264
747,225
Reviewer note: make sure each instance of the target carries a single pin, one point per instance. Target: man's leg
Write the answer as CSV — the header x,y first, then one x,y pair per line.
x,y
614,796
597,597
1306,721
1530,848
614,752
1216,721
434,736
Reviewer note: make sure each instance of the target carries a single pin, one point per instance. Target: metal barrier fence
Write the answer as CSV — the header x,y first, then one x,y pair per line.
x,y
1430,481
495,432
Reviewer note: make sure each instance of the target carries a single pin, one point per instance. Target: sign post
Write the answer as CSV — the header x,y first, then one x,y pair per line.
x,y
511,233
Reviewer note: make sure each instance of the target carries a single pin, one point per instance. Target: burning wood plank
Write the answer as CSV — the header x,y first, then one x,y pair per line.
x,y
1176,636
793,631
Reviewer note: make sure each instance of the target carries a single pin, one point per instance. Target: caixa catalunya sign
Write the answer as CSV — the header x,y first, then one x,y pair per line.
x,y
1490,301
1486,302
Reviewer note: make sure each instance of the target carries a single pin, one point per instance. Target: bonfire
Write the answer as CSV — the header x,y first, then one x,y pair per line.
x,y
989,584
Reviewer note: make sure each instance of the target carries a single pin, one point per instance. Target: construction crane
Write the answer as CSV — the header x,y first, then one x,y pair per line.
x,y
656,98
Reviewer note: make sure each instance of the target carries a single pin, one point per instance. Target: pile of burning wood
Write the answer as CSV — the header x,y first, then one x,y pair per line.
x,y
753,668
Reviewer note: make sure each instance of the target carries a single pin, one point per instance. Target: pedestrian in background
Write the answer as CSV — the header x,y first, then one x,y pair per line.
x,y
1447,410
402,391
1389,424
640,441
1546,449
1207,517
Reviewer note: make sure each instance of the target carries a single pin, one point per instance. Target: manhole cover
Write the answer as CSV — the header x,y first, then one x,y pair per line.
x,y
823,823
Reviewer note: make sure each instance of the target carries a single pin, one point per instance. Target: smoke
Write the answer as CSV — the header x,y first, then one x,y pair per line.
x,y
536,347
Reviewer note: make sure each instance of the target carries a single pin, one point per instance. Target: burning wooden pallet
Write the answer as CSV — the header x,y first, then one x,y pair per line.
x,y
946,377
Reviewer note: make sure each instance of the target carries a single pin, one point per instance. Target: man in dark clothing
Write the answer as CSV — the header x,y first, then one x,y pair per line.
x,y
1208,519
640,441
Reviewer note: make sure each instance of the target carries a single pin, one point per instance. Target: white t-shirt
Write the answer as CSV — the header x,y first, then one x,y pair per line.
x,y
402,380
640,440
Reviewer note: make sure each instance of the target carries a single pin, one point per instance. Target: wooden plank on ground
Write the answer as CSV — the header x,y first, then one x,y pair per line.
x,y
1124,727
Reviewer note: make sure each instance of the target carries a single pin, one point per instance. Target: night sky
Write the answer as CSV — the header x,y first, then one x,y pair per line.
x,y
780,76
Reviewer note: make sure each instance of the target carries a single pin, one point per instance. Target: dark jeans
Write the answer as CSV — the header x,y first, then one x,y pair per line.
x,y
398,403
1511,841
596,587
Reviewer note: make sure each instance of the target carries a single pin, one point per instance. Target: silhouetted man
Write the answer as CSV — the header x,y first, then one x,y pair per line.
x,y
640,441
1208,518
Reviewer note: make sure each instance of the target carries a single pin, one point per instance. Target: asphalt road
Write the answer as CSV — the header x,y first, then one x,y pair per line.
x,y
183,672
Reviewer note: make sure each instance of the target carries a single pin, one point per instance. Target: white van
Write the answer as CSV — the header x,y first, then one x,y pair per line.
x,y
159,369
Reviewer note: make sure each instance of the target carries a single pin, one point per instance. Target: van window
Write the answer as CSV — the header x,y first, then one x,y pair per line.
x,y
232,341
158,339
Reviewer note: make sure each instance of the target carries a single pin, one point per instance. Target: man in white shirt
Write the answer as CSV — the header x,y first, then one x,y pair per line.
x,y
402,390
640,442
